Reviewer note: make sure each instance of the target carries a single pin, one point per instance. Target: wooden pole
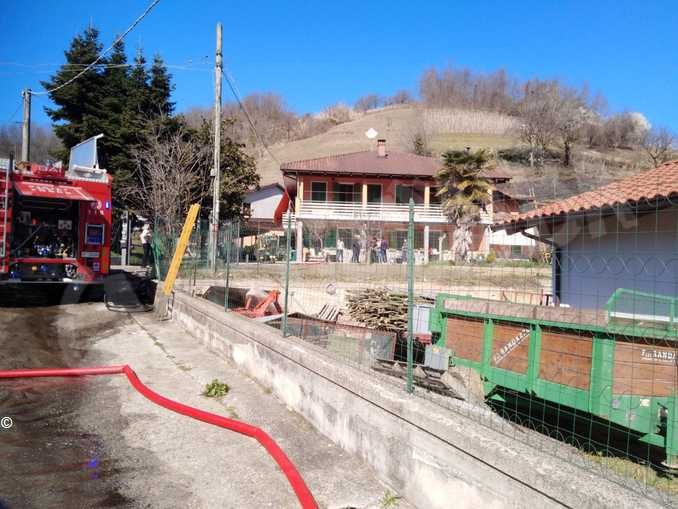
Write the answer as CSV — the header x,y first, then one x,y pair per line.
x,y
214,230
26,127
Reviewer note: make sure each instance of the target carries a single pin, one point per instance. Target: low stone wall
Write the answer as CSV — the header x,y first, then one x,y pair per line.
x,y
435,457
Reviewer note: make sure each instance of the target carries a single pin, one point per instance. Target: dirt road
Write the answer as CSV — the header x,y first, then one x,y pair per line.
x,y
95,442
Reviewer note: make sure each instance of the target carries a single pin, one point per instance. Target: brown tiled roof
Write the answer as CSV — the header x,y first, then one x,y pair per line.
x,y
658,183
369,163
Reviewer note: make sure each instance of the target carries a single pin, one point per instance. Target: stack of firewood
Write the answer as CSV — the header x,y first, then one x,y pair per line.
x,y
380,308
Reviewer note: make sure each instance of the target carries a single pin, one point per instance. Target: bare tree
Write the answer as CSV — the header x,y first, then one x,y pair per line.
x,y
593,130
172,173
367,102
337,113
538,111
43,142
571,112
623,130
462,88
416,135
400,97
658,145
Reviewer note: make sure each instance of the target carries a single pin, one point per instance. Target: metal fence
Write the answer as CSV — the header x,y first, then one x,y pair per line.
x,y
568,346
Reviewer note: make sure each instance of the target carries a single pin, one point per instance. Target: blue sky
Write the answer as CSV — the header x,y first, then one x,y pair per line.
x,y
317,53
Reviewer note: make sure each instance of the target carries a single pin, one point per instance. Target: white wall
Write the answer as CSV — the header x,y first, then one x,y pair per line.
x,y
501,238
264,202
632,251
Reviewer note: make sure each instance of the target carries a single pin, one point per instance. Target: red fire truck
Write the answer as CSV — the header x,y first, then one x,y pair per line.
x,y
55,223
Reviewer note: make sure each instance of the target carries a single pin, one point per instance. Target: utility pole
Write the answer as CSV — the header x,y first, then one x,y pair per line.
x,y
214,227
26,127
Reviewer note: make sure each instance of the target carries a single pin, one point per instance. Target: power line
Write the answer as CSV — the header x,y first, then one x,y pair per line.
x,y
172,67
15,112
234,89
120,38
187,65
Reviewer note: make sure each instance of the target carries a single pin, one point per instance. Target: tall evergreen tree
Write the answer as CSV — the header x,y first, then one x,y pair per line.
x,y
77,114
161,88
139,97
128,104
115,145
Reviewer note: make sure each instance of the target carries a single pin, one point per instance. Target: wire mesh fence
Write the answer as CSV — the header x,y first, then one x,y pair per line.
x,y
564,339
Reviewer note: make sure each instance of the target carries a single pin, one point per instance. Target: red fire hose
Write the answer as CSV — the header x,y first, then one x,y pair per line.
x,y
296,481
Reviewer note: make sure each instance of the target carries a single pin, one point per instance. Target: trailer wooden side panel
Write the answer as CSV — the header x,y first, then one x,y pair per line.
x,y
465,338
645,369
510,347
566,358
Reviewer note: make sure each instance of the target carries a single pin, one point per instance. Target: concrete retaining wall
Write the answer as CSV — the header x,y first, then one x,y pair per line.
x,y
435,457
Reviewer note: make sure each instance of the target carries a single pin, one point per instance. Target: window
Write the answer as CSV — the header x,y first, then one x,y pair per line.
x,y
373,193
403,193
516,252
330,238
347,192
318,191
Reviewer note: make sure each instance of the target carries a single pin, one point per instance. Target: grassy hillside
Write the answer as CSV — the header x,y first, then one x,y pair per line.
x,y
457,129
347,137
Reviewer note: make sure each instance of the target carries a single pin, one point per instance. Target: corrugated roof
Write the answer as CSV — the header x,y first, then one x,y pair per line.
x,y
369,163
658,183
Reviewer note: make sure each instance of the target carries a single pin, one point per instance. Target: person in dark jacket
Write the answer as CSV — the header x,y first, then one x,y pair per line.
x,y
383,248
356,250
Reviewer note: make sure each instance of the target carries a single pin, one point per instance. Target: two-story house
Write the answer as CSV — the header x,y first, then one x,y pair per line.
x,y
360,196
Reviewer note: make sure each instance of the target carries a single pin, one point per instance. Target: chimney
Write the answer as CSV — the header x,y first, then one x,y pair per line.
x,y
381,148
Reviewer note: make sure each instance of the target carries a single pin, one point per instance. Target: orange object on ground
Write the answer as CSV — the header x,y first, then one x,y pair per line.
x,y
257,310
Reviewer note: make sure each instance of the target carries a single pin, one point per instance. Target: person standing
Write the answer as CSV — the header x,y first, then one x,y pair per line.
x,y
340,251
383,248
356,250
146,235
404,251
374,250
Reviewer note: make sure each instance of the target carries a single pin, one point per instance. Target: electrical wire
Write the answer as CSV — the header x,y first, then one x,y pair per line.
x,y
9,120
188,66
90,66
234,90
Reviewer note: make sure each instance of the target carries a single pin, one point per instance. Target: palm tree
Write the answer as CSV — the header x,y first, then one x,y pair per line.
x,y
464,192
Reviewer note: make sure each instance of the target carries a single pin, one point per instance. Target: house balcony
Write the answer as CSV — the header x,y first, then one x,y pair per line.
x,y
373,212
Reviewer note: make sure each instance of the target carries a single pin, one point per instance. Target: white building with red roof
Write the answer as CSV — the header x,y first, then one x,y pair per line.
x,y
621,235
359,197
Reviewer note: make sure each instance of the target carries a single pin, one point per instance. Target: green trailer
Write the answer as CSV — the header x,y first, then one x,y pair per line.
x,y
618,364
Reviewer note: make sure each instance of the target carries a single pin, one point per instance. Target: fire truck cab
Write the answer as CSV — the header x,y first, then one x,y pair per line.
x,y
55,223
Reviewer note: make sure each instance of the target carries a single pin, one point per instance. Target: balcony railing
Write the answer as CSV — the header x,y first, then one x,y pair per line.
x,y
384,212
